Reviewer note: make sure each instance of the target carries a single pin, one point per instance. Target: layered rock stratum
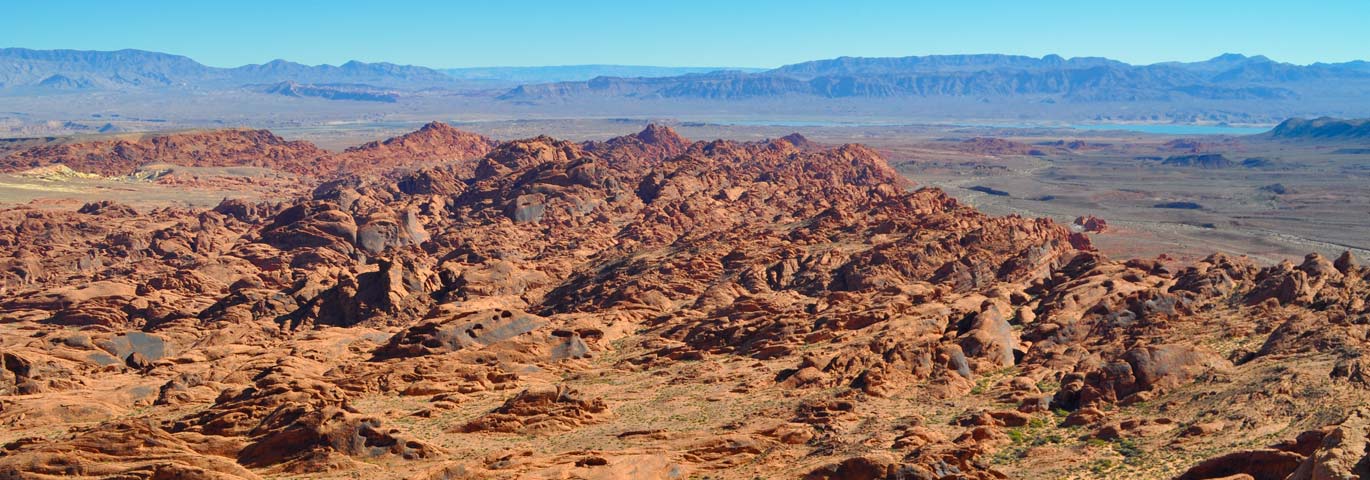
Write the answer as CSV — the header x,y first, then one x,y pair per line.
x,y
443,306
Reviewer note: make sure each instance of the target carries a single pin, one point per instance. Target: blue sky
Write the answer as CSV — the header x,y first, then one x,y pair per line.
x,y
757,33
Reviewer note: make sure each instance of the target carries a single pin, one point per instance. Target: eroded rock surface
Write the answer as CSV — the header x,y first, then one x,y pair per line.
x,y
645,307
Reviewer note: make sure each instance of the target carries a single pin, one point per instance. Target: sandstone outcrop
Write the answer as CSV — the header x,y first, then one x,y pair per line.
x,y
647,307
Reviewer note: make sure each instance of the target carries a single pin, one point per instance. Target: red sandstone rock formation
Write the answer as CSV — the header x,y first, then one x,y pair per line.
x,y
647,307
1092,224
123,154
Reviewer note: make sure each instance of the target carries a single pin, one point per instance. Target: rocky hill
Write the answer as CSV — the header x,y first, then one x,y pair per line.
x,y
652,307
435,142
123,154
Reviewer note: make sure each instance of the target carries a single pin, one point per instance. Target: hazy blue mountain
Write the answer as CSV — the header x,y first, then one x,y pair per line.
x,y
381,74
137,69
1226,77
124,68
935,64
1216,64
41,71
1242,84
572,73
1360,65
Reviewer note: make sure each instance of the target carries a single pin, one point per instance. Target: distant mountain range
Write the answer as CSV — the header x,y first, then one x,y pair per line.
x,y
1050,78
1227,88
576,73
38,71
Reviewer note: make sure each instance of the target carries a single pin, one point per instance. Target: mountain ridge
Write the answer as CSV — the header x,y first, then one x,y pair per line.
x,y
131,68
1228,76
970,74
1227,88
560,73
